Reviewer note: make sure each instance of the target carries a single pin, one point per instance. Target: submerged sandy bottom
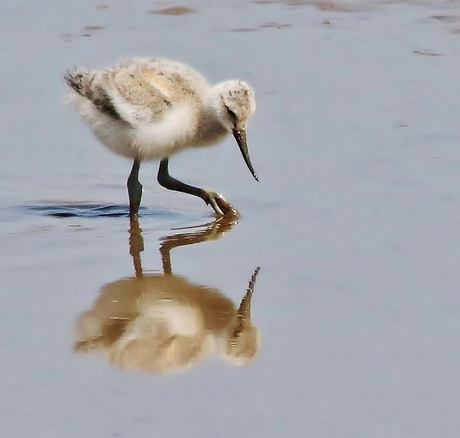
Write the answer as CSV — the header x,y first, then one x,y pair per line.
x,y
354,317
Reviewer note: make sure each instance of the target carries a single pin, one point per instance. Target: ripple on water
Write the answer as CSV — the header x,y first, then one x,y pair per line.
x,y
81,210
60,221
95,210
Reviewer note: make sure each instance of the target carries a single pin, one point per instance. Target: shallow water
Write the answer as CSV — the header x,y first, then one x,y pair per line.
x,y
354,224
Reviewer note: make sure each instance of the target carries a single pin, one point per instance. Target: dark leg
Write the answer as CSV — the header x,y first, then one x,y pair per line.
x,y
134,189
217,202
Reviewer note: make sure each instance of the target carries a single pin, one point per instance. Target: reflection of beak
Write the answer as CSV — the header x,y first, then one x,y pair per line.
x,y
240,137
244,311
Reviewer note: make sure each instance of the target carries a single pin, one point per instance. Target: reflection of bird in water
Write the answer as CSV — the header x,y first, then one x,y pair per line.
x,y
150,109
162,322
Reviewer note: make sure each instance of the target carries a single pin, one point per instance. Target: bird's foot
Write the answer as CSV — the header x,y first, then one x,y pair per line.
x,y
219,204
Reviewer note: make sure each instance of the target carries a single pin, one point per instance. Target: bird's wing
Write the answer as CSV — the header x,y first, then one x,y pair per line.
x,y
133,95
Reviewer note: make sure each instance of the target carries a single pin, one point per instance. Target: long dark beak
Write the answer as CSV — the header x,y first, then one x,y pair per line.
x,y
240,137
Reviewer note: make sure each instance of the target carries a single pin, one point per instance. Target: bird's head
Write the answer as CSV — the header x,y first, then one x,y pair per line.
x,y
242,345
235,103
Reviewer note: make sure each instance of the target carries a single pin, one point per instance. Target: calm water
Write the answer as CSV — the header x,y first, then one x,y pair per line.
x,y
354,322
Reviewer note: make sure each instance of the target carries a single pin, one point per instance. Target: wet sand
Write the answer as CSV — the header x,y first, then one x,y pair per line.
x,y
354,317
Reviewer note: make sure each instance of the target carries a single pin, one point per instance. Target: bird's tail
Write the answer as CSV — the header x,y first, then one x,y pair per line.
x,y
80,80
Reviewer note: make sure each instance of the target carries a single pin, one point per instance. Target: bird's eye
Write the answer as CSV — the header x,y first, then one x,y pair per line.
x,y
231,113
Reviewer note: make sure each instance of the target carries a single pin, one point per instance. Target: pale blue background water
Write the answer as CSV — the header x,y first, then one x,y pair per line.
x,y
355,222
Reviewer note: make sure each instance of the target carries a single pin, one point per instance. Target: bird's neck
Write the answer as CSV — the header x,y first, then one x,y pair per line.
x,y
211,129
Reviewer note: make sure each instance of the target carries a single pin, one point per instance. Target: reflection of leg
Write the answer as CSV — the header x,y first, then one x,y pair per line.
x,y
166,259
136,245
212,231
134,189
217,202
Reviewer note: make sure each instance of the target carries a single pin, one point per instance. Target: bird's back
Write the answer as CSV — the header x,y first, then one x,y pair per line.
x,y
145,108
140,89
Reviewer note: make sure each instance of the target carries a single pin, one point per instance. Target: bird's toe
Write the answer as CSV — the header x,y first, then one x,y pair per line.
x,y
220,205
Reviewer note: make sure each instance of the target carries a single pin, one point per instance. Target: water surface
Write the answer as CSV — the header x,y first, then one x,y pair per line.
x,y
355,224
